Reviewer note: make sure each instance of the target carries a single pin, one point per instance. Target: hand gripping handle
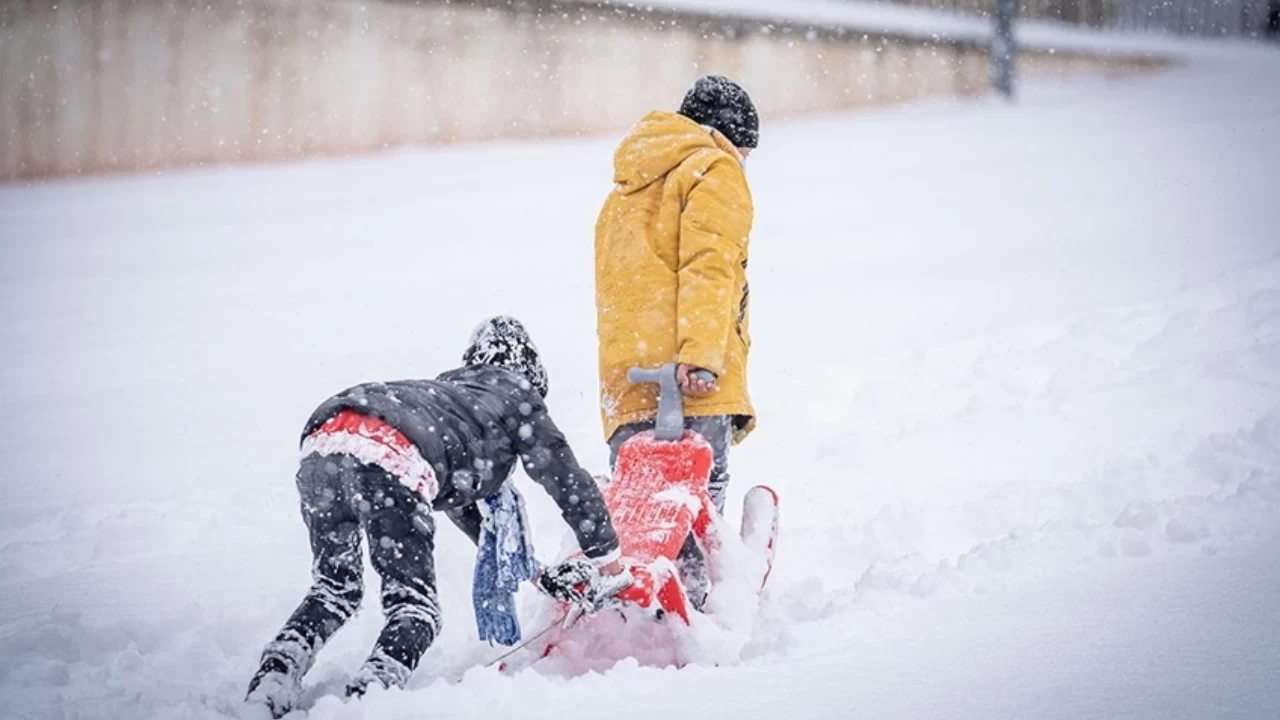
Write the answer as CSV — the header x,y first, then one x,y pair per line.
x,y
669,426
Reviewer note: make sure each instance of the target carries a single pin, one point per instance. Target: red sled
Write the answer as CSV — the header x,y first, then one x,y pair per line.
x,y
657,497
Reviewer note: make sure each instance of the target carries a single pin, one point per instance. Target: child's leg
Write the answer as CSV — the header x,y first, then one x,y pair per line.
x,y
401,542
692,565
620,436
336,570
718,431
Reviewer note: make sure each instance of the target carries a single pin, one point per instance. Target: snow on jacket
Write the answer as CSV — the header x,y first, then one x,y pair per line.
x,y
671,260
471,425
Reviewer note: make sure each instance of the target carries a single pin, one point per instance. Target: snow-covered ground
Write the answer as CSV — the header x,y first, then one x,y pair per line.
x,y
1018,371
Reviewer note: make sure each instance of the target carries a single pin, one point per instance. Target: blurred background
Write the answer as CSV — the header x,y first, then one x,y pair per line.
x,y
109,85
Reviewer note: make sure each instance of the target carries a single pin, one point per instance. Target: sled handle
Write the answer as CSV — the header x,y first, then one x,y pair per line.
x,y
669,426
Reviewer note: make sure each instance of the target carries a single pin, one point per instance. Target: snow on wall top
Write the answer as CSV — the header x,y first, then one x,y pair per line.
x,y
922,23
862,16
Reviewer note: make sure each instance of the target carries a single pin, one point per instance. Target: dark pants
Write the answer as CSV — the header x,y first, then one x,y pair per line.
x,y
343,499
718,430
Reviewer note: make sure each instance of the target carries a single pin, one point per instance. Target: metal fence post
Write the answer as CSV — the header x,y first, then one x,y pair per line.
x,y
1002,47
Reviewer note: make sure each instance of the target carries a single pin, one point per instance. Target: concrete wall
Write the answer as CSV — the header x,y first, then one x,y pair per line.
x,y
111,85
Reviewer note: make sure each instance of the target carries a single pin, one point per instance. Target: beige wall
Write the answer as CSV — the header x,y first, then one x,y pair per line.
x,y
105,85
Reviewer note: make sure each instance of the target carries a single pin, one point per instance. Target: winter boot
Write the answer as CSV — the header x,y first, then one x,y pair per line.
x,y
381,669
275,687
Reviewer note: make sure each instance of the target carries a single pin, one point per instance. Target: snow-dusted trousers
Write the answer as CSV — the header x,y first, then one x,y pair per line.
x,y
717,430
343,499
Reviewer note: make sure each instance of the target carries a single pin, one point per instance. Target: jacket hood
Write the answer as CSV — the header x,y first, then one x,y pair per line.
x,y
656,145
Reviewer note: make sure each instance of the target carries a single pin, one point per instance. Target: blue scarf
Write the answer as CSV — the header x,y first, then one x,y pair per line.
x,y
503,559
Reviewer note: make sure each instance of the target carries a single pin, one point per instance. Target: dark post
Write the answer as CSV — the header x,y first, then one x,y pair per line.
x,y
1002,48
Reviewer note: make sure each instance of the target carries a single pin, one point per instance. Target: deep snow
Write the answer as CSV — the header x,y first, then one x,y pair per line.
x,y
1018,372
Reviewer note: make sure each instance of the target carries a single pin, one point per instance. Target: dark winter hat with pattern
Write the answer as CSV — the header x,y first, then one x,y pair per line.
x,y
721,103
503,341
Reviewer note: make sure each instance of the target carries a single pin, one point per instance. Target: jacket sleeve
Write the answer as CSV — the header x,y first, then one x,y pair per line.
x,y
713,234
550,462
468,520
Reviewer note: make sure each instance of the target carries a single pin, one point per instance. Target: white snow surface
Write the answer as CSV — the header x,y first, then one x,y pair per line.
x,y
1017,369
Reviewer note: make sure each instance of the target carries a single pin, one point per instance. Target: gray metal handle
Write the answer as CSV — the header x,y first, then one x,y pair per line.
x,y
669,426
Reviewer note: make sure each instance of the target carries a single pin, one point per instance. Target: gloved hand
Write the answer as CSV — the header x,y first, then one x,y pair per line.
x,y
580,582
603,592
565,582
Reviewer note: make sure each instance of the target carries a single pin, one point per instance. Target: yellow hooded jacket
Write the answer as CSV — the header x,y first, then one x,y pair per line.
x,y
671,260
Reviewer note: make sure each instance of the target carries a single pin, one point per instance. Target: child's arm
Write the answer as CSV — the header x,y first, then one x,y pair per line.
x,y
468,520
551,463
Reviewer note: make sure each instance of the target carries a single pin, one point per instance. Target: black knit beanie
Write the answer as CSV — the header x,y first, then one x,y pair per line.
x,y
719,102
503,341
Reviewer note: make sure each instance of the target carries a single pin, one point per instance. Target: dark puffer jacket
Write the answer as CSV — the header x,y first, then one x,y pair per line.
x,y
471,425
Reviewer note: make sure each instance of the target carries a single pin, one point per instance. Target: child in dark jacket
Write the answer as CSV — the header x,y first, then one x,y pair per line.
x,y
378,458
